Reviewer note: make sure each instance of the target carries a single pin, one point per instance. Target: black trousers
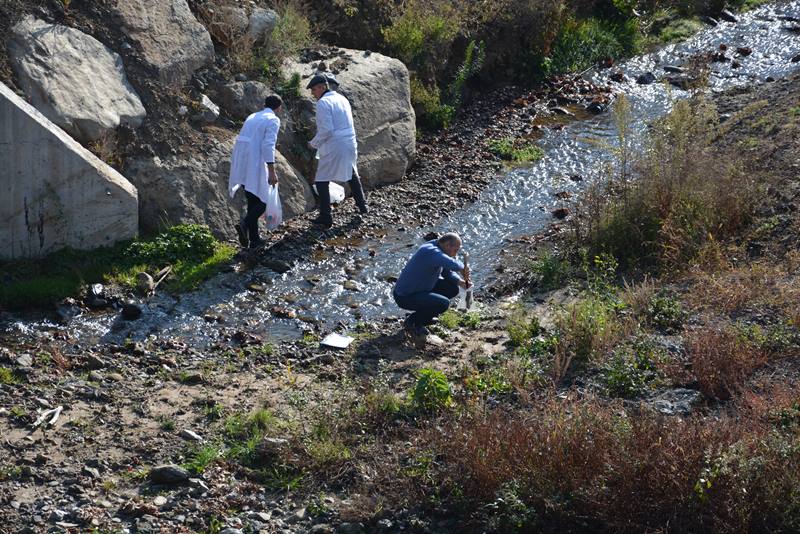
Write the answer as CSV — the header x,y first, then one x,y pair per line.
x,y
325,196
255,209
427,305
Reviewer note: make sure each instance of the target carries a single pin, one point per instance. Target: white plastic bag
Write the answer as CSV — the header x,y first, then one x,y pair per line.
x,y
336,191
274,213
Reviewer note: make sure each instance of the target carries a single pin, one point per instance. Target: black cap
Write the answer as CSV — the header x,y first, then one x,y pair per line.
x,y
316,80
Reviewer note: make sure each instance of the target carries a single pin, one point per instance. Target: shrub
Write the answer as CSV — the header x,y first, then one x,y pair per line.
x,y
683,197
431,113
181,242
452,319
631,371
722,360
292,31
580,44
522,328
665,312
431,392
421,36
552,271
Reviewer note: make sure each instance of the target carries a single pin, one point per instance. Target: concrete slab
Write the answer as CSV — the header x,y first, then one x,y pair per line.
x,y
53,192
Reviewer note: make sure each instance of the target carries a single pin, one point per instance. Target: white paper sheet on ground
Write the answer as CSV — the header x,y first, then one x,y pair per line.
x,y
336,341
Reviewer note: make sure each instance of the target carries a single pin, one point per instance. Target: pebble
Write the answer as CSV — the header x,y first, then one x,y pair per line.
x,y
160,501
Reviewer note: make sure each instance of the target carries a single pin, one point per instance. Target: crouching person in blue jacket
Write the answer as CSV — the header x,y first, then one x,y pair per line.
x,y
428,282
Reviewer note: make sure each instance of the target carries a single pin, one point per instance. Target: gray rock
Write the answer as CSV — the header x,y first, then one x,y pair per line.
x,y
171,40
91,472
679,401
278,266
95,362
160,501
241,99
322,528
209,111
262,22
25,360
378,89
674,69
231,530
190,435
73,79
168,474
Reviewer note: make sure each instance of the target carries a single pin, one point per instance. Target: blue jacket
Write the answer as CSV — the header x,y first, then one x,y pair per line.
x,y
424,269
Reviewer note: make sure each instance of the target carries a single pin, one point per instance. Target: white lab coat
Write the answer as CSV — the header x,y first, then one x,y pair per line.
x,y
254,148
335,141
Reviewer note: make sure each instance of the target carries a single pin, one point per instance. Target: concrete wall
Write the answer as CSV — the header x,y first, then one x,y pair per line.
x,y
53,192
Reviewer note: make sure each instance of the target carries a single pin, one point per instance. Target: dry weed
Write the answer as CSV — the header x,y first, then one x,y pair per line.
x,y
722,361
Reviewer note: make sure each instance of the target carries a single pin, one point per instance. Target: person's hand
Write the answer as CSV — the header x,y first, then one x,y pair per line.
x,y
273,177
466,284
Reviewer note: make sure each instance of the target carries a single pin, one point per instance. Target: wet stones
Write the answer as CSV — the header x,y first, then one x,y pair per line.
x,y
131,311
675,69
646,78
560,213
727,16
744,51
278,266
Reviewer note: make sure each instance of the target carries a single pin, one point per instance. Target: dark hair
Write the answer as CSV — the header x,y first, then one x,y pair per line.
x,y
273,102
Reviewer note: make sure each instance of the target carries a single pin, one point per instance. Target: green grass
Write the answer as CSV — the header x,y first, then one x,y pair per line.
x,y
581,43
200,458
680,29
516,150
6,376
191,249
452,319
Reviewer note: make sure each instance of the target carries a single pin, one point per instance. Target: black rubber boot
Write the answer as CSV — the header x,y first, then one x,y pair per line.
x,y
325,218
358,194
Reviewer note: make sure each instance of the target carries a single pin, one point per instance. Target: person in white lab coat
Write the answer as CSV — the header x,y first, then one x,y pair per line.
x,y
253,167
336,146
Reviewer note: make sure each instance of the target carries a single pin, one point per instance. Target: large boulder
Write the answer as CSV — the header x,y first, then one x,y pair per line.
x,y
240,99
169,37
378,89
53,192
262,22
194,189
73,79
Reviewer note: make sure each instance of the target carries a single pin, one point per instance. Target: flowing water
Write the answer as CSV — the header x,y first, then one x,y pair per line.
x,y
352,284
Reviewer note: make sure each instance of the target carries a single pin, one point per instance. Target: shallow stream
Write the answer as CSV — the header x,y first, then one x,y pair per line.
x,y
353,284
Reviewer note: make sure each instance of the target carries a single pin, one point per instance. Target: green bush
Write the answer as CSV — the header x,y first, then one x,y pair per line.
x,y
431,392
181,242
664,311
631,371
683,198
422,35
580,44
522,328
552,272
431,113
